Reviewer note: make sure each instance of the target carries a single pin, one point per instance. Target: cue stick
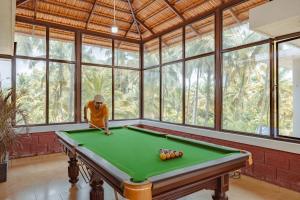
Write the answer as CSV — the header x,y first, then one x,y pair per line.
x,y
100,129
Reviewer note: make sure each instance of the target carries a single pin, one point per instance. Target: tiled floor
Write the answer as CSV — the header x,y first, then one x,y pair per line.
x,y
45,178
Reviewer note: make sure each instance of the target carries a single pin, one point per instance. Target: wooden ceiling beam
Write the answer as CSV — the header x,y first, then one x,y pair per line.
x,y
72,28
90,15
194,18
20,2
148,3
174,10
134,19
180,15
78,9
35,8
105,5
234,16
71,18
128,29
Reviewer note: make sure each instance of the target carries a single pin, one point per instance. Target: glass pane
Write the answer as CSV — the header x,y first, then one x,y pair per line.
x,y
5,74
31,86
127,54
61,92
172,93
62,45
96,50
200,37
289,88
236,29
172,46
199,91
151,93
96,80
151,53
31,40
127,94
246,98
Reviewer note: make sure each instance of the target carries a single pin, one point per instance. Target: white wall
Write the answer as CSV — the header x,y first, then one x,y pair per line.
x,y
7,26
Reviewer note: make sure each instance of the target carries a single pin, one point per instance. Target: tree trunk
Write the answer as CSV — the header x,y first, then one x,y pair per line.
x,y
195,108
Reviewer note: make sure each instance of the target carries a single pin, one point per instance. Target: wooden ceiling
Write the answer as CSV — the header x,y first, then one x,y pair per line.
x,y
136,19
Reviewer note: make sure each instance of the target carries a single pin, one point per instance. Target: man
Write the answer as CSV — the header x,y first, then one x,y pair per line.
x,y
98,113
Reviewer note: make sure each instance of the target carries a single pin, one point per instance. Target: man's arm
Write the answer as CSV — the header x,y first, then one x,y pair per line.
x,y
106,120
84,114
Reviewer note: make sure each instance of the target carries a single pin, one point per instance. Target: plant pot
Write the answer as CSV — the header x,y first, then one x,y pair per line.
x,y
3,172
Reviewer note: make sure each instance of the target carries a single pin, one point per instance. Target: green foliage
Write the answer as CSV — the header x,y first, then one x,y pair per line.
x,y
8,110
126,94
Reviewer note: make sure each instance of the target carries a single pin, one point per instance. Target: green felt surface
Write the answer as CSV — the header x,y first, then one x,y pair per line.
x,y
137,152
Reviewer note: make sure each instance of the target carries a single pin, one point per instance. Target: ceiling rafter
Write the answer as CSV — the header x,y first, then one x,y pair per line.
x,y
234,16
180,15
128,29
35,8
78,9
20,2
144,6
72,18
193,6
90,14
134,19
105,5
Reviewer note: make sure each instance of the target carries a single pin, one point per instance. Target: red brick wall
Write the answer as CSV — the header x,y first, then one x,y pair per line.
x,y
36,144
277,167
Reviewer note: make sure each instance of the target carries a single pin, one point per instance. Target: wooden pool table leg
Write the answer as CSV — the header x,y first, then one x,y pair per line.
x,y
73,169
222,187
138,191
97,192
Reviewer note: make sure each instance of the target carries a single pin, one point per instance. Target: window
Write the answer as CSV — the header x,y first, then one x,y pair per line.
x,y
62,45
151,53
5,74
96,50
61,92
96,80
31,40
246,89
199,92
151,93
236,29
172,85
289,88
200,37
172,46
31,88
127,94
127,54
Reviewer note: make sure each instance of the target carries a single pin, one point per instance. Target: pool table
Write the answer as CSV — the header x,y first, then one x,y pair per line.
x,y
129,161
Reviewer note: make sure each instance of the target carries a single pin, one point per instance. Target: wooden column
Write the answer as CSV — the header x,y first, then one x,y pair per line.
x,y
77,105
218,69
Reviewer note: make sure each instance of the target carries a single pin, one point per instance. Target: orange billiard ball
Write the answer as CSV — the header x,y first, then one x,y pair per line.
x,y
163,156
172,155
168,156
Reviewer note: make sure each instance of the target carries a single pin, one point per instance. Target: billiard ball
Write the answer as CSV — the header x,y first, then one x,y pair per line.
x,y
163,156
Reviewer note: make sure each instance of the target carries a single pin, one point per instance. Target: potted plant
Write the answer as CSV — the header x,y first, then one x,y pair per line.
x,y
9,111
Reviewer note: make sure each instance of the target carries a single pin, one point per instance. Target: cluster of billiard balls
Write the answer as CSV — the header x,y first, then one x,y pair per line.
x,y
167,154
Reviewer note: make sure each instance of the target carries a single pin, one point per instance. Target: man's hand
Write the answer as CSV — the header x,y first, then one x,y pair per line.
x,y
106,131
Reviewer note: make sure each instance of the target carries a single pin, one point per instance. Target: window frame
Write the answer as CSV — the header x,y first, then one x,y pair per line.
x,y
277,85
